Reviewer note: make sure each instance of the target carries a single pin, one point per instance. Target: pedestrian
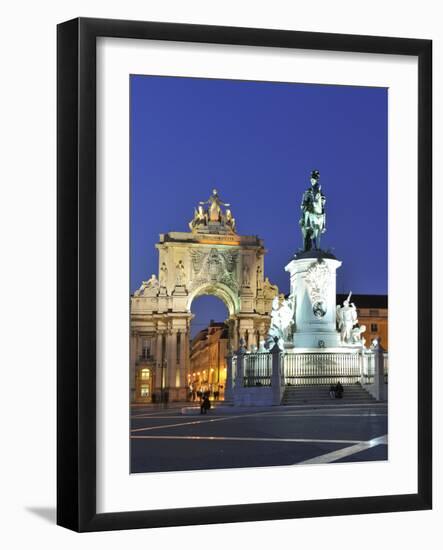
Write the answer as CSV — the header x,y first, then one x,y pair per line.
x,y
154,398
165,399
331,391
205,406
339,390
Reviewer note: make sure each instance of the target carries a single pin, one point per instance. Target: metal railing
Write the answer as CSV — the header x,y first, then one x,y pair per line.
x,y
385,367
233,363
368,368
257,369
303,368
321,368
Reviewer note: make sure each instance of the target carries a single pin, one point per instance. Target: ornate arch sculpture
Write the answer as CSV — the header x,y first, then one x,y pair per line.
x,y
211,259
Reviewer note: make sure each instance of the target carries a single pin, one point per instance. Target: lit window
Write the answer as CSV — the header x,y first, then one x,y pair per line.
x,y
144,374
144,391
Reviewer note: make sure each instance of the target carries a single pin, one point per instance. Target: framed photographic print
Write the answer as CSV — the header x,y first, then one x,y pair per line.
x,y
244,274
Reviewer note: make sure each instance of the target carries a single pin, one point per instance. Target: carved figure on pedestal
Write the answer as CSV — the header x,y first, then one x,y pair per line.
x,y
151,284
163,275
346,320
180,276
246,281
357,337
282,319
214,210
230,220
200,218
269,290
259,277
313,218
209,216
140,291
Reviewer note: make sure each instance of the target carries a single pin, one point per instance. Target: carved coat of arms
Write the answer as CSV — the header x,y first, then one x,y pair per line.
x,y
317,281
214,266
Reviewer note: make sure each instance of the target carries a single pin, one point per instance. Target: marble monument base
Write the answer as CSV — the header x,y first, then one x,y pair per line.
x,y
313,287
316,339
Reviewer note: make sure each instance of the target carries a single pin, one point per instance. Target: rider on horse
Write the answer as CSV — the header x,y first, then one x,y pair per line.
x,y
313,219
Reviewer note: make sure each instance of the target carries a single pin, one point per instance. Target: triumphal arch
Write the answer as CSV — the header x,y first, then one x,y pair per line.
x,y
212,259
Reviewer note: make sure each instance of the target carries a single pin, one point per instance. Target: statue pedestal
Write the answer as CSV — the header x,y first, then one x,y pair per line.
x,y
313,285
179,298
247,299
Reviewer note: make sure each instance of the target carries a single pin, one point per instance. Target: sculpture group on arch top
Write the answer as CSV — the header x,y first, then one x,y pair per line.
x,y
308,317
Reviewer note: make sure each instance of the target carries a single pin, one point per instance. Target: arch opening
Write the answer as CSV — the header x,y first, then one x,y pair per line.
x,y
209,344
224,293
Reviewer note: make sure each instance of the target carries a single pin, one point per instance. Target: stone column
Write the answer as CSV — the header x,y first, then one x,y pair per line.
x,y
239,374
379,379
181,367
233,330
158,361
133,360
229,378
171,346
186,360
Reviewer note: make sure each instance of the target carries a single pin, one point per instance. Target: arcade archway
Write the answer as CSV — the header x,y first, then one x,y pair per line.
x,y
210,342
211,259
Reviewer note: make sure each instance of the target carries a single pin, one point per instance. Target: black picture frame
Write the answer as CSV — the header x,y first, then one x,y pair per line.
x,y
76,265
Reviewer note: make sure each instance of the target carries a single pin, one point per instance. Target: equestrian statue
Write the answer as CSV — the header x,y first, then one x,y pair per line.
x,y
313,218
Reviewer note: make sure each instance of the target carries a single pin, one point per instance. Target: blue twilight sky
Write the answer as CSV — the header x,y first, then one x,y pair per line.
x,y
257,142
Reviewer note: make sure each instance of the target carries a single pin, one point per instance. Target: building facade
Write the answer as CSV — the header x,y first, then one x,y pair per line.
x,y
209,349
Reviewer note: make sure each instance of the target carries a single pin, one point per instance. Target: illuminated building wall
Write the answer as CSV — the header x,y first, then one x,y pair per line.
x,y
208,359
